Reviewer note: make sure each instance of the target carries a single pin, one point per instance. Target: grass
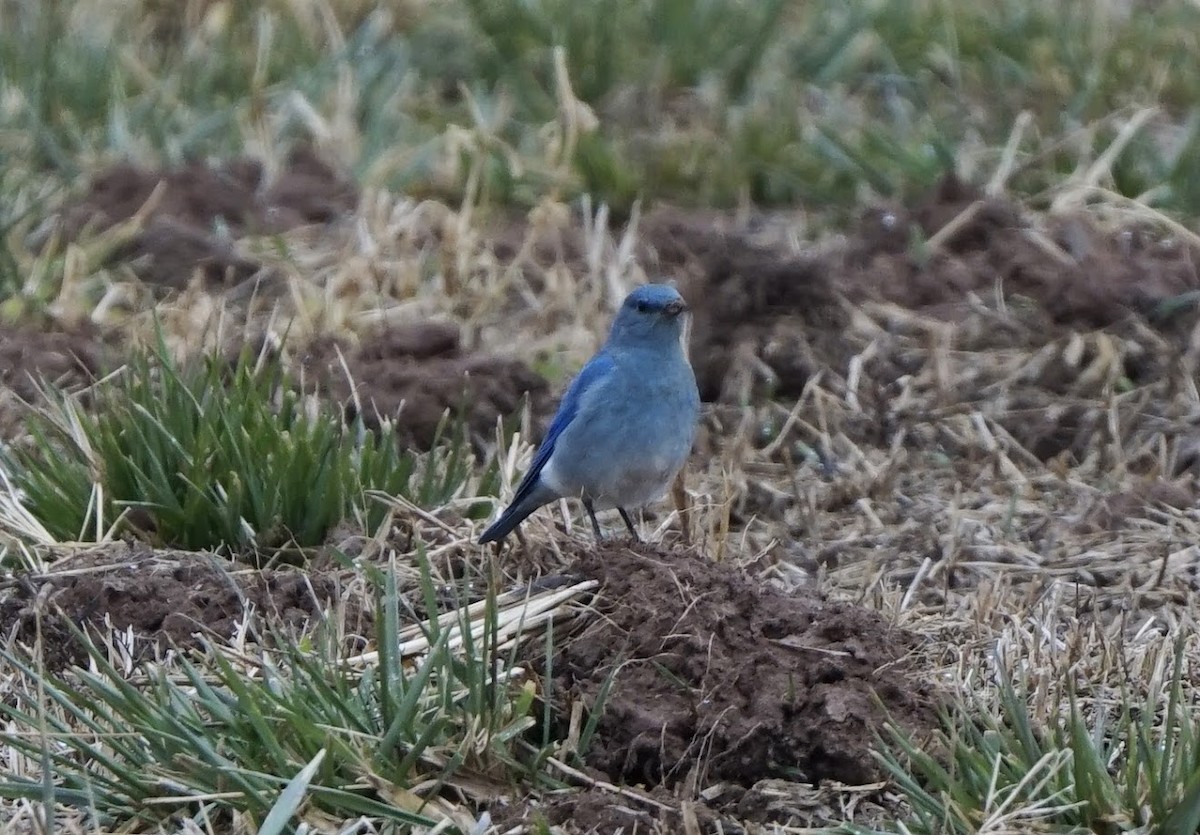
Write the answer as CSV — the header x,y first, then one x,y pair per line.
x,y
450,115
706,105
238,739
1132,766
213,454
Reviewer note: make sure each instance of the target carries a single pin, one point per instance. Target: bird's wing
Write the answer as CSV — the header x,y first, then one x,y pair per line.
x,y
599,367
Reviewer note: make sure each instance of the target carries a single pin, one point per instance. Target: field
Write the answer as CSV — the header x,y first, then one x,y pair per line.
x,y
289,292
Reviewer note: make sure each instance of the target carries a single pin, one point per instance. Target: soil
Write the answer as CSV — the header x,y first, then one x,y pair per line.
x,y
728,696
731,678
421,373
418,372
30,358
163,598
962,301
722,679
1111,512
750,297
201,211
596,811
791,310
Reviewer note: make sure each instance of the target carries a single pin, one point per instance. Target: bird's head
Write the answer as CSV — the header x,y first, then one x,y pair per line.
x,y
651,312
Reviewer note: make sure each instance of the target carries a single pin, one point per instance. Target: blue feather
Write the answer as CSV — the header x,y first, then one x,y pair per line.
x,y
599,367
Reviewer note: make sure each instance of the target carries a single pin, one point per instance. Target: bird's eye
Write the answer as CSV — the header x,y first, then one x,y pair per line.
x,y
643,307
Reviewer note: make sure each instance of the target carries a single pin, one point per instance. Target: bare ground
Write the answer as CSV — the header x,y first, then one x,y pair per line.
x,y
161,600
725,679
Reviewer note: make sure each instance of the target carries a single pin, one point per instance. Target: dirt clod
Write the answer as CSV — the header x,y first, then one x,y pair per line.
x,y
65,360
202,208
1076,271
161,597
419,372
29,357
730,677
763,309
1111,512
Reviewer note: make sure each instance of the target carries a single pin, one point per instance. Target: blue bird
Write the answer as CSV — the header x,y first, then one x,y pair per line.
x,y
626,424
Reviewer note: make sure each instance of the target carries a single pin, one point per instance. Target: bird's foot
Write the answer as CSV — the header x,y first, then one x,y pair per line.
x,y
629,526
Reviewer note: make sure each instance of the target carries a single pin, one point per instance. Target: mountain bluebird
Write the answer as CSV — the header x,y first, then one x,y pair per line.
x,y
626,424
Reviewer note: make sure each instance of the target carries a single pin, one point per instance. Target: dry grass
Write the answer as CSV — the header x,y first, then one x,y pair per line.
x,y
954,529
951,527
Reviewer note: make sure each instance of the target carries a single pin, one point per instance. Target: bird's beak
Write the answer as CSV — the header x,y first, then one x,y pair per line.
x,y
675,308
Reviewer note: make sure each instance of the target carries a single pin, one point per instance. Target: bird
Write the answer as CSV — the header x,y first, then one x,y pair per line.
x,y
625,426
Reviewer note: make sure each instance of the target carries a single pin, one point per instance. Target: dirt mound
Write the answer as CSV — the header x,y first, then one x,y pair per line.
x,y
1143,500
730,678
958,241
748,300
28,356
203,208
161,597
756,300
66,360
420,372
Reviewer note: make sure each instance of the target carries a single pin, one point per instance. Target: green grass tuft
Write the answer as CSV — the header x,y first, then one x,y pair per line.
x,y
1130,766
212,454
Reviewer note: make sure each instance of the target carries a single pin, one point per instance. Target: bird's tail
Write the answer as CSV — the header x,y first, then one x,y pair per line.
x,y
512,516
